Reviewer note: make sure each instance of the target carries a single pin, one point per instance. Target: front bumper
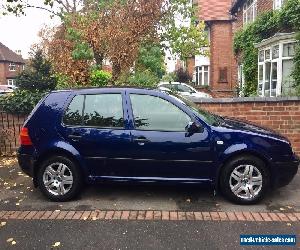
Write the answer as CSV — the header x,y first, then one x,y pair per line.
x,y
26,162
284,172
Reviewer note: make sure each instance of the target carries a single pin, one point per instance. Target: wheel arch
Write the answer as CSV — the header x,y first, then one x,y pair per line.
x,y
57,152
239,154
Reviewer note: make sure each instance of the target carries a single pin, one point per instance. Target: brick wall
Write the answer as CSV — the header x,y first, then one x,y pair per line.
x,y
5,73
10,126
222,59
2,74
279,114
264,5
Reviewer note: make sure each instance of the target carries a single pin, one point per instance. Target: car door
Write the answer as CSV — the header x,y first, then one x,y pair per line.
x,y
95,126
161,147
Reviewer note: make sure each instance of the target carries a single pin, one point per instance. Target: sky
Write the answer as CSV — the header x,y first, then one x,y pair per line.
x,y
19,33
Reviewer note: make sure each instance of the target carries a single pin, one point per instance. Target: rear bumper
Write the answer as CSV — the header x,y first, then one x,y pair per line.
x,y
26,162
284,172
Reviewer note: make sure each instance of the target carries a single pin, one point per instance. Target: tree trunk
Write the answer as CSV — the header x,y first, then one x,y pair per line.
x,y
116,71
99,58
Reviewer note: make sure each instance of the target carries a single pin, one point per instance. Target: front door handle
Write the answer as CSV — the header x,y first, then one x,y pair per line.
x,y
141,140
75,137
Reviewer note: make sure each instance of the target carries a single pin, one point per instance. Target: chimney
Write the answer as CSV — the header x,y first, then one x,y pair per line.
x,y
19,52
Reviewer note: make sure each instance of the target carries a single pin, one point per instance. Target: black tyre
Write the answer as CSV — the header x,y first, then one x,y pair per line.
x,y
59,178
245,180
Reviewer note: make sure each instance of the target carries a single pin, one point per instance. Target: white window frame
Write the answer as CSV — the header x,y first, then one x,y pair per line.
x,y
272,60
249,6
197,70
11,82
241,79
277,4
12,67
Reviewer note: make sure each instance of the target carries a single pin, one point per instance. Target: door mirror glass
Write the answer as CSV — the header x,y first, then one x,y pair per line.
x,y
193,128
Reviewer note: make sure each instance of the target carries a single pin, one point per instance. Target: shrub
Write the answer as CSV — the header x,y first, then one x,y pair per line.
x,y
170,77
183,76
100,78
21,101
145,78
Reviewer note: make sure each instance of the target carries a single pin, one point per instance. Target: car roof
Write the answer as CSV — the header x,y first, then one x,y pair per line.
x,y
90,90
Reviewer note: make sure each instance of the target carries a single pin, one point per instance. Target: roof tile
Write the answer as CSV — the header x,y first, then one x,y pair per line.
x,y
9,56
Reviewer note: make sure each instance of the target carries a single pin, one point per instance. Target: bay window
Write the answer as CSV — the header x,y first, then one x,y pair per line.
x,y
275,65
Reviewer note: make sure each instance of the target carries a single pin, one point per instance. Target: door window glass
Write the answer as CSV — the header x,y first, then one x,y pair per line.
x,y
103,110
154,113
73,114
183,88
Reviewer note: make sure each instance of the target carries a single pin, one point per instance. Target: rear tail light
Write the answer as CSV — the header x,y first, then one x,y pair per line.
x,y
25,138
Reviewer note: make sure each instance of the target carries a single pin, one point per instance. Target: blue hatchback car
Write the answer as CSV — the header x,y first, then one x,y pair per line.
x,y
82,136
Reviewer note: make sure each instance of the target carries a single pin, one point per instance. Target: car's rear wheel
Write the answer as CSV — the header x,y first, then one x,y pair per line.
x,y
245,180
59,179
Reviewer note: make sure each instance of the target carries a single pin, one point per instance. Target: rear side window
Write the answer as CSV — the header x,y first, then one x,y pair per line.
x,y
104,110
73,115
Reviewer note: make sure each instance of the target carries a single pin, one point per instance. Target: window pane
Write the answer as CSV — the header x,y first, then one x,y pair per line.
x,y
267,54
104,110
267,78
289,50
261,73
261,56
287,79
73,115
274,79
154,113
206,78
275,52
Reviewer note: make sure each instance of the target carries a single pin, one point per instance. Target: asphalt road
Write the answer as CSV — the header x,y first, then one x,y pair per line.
x,y
17,193
135,234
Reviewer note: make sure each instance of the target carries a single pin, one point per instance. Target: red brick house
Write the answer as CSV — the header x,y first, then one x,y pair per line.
x,y
275,60
218,72
11,64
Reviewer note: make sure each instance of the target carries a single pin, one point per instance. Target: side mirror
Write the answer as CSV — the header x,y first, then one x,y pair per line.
x,y
193,128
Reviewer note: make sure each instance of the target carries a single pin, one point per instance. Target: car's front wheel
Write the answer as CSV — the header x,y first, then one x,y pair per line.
x,y
245,180
59,178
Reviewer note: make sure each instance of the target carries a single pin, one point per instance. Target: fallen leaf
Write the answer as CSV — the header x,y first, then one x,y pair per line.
x,y
282,209
84,218
289,224
9,239
57,210
188,200
289,207
3,223
17,204
13,242
56,244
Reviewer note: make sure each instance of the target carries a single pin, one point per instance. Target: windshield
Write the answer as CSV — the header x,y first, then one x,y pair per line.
x,y
208,117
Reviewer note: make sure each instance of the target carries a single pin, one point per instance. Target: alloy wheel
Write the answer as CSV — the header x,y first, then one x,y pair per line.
x,y
246,182
58,179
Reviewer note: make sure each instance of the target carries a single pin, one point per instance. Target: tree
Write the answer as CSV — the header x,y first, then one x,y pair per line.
x,y
151,57
54,7
38,77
